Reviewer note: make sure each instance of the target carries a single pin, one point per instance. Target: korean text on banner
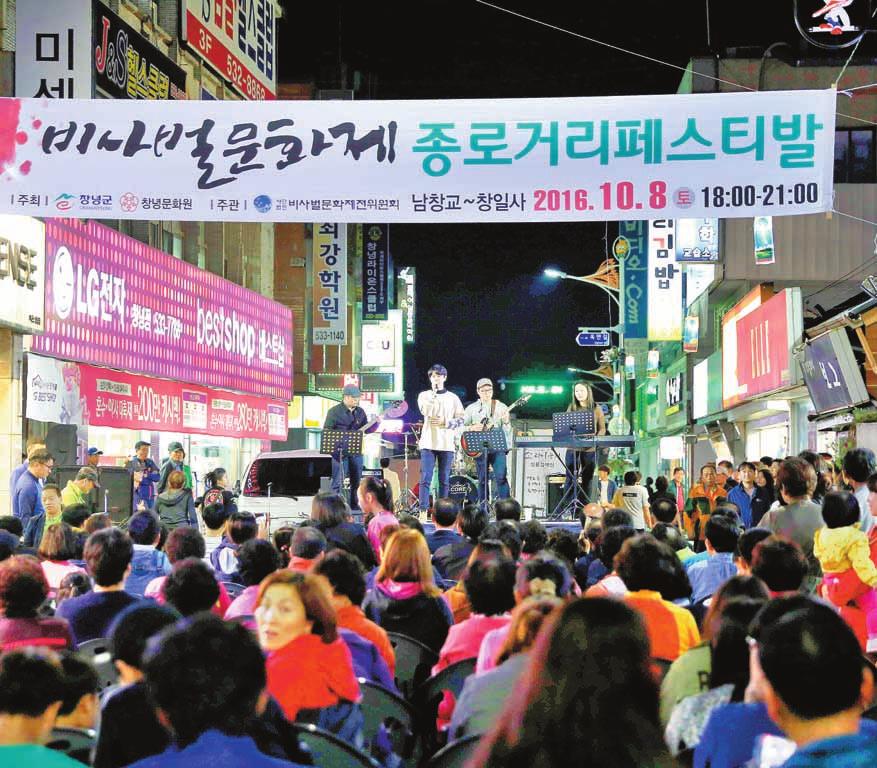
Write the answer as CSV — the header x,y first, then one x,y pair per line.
x,y
375,269
665,283
633,157
116,302
329,267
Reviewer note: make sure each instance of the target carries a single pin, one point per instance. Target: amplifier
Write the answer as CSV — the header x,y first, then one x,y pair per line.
x,y
553,493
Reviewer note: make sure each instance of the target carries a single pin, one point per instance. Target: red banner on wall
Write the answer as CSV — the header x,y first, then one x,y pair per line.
x,y
763,348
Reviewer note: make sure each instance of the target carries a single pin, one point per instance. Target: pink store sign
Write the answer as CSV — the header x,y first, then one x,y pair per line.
x,y
126,401
115,302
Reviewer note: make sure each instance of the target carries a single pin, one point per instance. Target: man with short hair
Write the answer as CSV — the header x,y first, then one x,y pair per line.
x,y
726,474
77,491
80,705
27,500
33,444
701,503
31,694
606,487
859,463
676,488
489,413
451,559
306,548
347,416
781,564
51,498
743,493
635,499
108,555
507,509
145,473
148,563
815,686
444,516
708,575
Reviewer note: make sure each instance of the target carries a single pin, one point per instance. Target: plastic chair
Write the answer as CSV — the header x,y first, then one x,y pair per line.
x,y
99,653
76,743
331,752
430,694
381,707
233,589
414,661
456,754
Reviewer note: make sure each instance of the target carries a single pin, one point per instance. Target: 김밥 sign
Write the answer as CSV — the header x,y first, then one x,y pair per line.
x,y
665,283
633,157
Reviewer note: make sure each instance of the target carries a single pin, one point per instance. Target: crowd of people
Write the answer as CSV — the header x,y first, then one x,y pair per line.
x,y
729,622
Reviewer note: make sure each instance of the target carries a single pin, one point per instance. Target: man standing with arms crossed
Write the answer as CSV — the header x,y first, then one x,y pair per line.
x,y
490,414
442,414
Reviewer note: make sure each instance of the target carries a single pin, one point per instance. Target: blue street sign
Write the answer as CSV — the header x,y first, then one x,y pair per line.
x,y
593,339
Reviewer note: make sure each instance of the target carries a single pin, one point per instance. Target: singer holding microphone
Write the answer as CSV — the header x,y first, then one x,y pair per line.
x,y
442,414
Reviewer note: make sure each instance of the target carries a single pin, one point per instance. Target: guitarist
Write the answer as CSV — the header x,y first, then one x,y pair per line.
x,y
349,417
490,414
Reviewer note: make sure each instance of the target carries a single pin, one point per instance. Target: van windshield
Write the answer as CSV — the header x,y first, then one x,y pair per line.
x,y
297,476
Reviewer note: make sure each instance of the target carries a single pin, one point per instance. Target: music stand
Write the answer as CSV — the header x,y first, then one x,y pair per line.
x,y
489,441
571,427
341,442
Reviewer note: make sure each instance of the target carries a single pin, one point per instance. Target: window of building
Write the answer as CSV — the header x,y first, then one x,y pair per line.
x,y
854,156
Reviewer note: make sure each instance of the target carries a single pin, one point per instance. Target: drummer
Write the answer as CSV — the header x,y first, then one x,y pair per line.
x,y
488,413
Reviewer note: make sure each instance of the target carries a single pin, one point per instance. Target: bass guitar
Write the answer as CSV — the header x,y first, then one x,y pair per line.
x,y
485,425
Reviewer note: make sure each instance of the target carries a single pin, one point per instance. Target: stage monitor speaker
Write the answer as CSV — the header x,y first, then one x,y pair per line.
x,y
61,443
117,488
553,492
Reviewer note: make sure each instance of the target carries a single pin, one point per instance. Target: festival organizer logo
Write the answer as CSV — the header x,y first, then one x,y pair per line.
x,y
65,201
128,202
262,203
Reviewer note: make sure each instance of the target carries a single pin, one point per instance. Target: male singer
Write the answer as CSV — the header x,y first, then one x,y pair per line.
x,y
490,414
349,417
442,414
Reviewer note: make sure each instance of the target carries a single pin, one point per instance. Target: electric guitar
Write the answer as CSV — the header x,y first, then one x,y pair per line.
x,y
475,453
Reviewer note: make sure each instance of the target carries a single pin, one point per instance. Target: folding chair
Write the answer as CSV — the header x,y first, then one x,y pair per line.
x,y
456,754
381,707
414,661
429,695
331,752
77,743
99,653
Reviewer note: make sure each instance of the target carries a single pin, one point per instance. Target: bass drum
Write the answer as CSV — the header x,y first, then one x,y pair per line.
x,y
463,489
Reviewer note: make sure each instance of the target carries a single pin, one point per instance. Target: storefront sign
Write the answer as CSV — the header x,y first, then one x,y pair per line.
x,y
378,345
697,278
578,159
68,393
52,49
697,240
700,389
376,273
665,283
636,279
22,273
673,392
127,65
407,289
329,267
731,394
237,38
831,373
113,301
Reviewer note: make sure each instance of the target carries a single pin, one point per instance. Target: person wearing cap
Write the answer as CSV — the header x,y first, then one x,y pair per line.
x,y
442,415
146,475
92,458
347,416
489,413
176,460
77,491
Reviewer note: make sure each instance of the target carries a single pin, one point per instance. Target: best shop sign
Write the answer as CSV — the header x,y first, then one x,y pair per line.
x,y
115,302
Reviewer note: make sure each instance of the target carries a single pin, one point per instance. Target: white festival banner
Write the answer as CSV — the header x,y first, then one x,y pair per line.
x,y
573,159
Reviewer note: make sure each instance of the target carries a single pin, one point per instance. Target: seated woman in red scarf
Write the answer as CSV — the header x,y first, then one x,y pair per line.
x,y
23,589
310,670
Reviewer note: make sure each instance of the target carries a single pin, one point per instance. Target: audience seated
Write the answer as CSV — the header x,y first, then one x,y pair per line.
x,y
611,584
79,707
281,539
31,694
331,514
207,680
563,543
97,521
612,518
8,544
780,564
456,597
720,536
589,540
241,527
746,543
534,538
130,729
73,585
507,509
507,532
310,671
306,548
23,589
191,587
257,559
444,518
376,501
215,519
451,559
344,573
587,697
647,568
56,550
148,562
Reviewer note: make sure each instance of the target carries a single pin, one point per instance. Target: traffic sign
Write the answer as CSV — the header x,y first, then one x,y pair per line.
x,y
593,339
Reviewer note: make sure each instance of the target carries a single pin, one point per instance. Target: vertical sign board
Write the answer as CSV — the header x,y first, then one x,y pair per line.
x,y
697,240
375,268
635,266
236,38
665,283
407,285
53,49
329,281
22,273
731,389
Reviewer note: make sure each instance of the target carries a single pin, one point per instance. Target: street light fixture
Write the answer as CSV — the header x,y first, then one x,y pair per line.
x,y
556,274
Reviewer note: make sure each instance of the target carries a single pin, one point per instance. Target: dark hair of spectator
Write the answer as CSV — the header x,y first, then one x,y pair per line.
x,y
329,509
380,489
108,554
316,598
410,521
490,584
144,528
735,587
131,629
163,533
384,462
214,515
779,563
212,479
52,487
80,679
191,587
730,656
12,524
185,542
256,559
473,520
31,680
664,510
588,696
630,477
616,516
661,484
205,674
872,483
748,540
97,522
23,587
507,509
507,532
729,509
282,538
562,542
73,584
545,567
722,533
840,509
670,535
611,541
534,537
646,563
76,515
344,573
307,542
58,543
242,526
859,463
445,512
797,478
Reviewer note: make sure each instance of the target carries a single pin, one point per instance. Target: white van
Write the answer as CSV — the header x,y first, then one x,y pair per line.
x,y
294,478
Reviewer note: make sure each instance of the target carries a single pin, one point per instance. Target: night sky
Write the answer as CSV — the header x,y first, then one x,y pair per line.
x,y
496,315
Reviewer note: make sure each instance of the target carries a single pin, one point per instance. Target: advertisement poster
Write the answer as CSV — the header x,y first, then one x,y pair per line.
x,y
329,266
